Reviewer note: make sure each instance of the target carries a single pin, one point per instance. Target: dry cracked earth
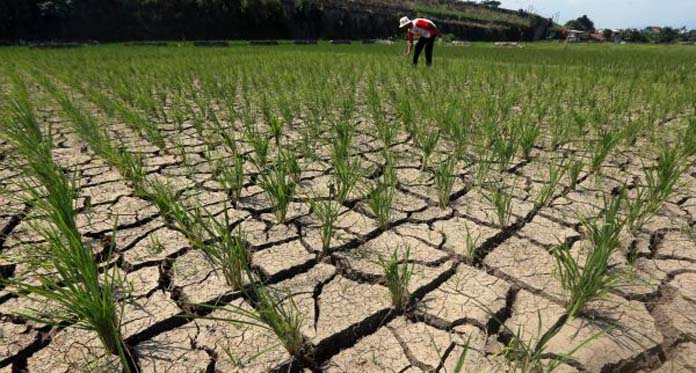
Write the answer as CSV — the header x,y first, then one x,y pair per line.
x,y
457,300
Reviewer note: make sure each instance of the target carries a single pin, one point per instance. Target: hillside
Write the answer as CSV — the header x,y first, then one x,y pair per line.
x,y
108,20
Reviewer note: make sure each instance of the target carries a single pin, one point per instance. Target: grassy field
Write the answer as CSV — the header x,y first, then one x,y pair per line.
x,y
333,208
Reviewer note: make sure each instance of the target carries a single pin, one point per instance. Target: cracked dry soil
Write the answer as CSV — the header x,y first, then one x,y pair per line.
x,y
458,302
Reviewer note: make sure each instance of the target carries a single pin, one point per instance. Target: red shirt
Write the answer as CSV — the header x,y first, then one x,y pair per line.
x,y
423,28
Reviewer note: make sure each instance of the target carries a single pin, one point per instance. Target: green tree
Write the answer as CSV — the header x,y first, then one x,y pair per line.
x,y
491,3
666,35
692,36
583,23
606,34
635,36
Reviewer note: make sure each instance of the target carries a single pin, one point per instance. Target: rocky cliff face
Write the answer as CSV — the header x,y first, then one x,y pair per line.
x,y
109,20
374,19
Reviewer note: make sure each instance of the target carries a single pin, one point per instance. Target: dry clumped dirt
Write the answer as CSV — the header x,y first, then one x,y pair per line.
x,y
458,302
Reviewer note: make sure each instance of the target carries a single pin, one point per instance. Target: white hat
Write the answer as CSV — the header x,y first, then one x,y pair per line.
x,y
404,21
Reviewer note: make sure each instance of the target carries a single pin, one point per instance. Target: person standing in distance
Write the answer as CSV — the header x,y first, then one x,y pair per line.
x,y
426,31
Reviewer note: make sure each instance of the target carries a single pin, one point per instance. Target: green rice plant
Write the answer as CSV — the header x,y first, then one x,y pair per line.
x,y
471,242
225,250
293,166
276,125
259,143
397,276
689,139
134,119
556,172
574,170
670,166
230,177
226,136
529,134
131,166
504,148
90,131
279,182
606,141
84,124
444,180
343,139
273,310
502,202
72,283
461,360
347,172
483,166
380,200
381,197
327,212
387,129
426,140
166,199
406,113
560,133
592,279
278,310
659,184
530,356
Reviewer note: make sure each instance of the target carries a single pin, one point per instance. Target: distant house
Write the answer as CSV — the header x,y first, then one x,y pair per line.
x,y
611,35
577,35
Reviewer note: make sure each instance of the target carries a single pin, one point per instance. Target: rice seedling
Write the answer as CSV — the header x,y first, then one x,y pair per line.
x,y
279,311
131,166
592,279
471,242
260,144
461,360
225,250
603,145
279,183
444,180
406,113
381,197
456,123
273,310
504,148
574,170
502,203
327,212
529,133
397,275
483,166
659,184
231,177
387,130
165,198
380,200
72,284
426,140
347,171
276,125
84,124
689,139
556,172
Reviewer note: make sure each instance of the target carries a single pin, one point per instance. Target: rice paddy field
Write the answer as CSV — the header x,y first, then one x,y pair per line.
x,y
330,208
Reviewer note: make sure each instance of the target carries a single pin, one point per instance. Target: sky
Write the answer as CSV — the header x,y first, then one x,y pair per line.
x,y
615,13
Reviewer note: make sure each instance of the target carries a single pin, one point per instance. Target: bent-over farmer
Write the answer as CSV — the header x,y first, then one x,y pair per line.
x,y
426,31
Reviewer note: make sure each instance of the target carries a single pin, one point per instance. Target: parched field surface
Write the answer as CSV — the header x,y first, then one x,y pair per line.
x,y
543,201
